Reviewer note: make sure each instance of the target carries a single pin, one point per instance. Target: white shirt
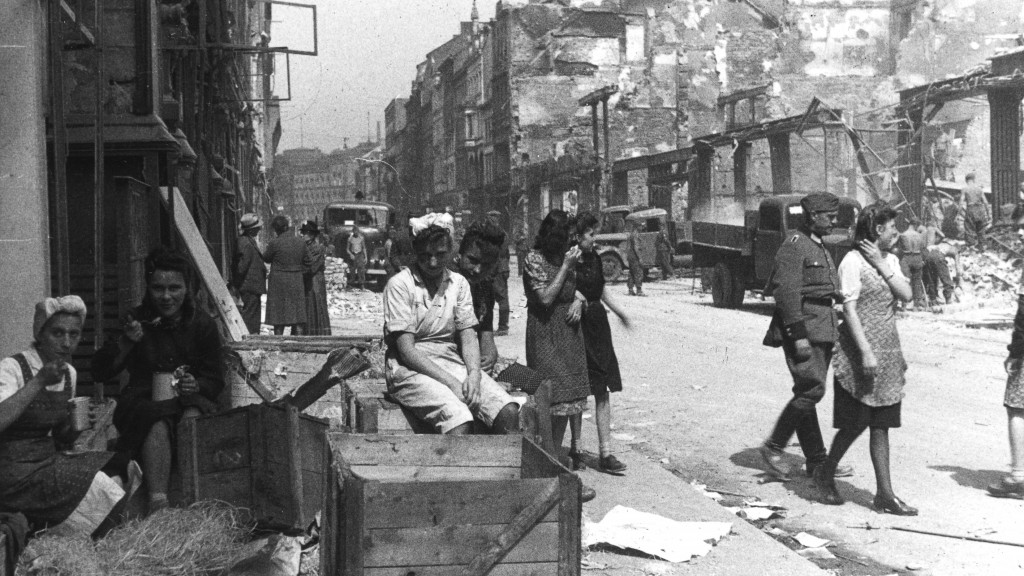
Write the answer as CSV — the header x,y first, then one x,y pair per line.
x,y
850,269
11,380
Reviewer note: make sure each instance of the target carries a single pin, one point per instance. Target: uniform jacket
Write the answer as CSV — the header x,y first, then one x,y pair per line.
x,y
805,284
250,273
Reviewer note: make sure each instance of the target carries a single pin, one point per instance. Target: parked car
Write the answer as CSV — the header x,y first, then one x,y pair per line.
x,y
742,257
616,224
373,220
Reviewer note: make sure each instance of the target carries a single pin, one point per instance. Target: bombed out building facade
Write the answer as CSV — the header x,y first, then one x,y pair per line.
x,y
497,116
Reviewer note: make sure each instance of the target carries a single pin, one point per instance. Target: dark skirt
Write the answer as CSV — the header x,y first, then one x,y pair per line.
x,y
286,298
602,364
136,414
318,319
848,412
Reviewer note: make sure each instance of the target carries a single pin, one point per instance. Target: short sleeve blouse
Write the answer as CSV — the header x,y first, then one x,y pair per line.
x,y
850,270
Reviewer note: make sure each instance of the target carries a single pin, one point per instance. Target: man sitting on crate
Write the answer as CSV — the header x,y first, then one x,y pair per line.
x,y
432,366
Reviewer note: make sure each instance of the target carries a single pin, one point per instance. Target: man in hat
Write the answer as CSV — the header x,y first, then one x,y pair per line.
x,y
805,285
249,273
501,275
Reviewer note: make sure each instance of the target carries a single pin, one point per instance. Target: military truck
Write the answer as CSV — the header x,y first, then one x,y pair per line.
x,y
612,239
741,257
373,219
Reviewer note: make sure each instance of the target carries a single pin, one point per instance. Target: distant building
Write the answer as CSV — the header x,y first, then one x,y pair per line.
x,y
306,179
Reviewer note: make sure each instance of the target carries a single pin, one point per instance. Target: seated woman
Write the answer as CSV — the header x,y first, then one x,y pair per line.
x,y
38,480
166,339
433,359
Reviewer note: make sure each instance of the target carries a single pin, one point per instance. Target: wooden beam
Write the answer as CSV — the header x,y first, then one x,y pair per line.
x,y
599,95
500,546
207,268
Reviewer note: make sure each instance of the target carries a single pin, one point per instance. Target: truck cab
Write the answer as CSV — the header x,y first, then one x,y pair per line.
x,y
373,219
741,258
615,225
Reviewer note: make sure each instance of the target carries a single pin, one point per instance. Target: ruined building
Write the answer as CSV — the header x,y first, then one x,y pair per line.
x,y
518,138
306,179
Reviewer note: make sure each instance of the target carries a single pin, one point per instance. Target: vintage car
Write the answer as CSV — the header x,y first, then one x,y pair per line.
x,y
616,223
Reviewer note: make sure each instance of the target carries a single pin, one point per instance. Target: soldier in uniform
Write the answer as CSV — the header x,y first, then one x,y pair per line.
x,y
805,285
501,277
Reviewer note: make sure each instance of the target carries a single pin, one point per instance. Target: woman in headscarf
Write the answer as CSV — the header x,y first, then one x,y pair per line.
x,y
172,352
554,340
286,295
870,370
37,478
318,319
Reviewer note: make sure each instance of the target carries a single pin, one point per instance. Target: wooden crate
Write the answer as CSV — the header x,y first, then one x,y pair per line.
x,y
367,411
269,460
435,505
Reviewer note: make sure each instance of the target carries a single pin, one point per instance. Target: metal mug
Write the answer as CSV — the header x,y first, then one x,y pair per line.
x,y
164,386
78,410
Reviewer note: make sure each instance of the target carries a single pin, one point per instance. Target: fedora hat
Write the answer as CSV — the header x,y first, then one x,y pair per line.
x,y
250,221
309,227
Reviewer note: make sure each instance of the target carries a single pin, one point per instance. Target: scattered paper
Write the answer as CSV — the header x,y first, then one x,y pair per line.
x,y
281,370
592,565
656,535
622,437
821,553
702,488
811,541
755,513
663,460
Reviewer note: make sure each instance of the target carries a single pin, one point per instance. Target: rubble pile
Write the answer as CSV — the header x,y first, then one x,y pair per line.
x,y
995,273
349,304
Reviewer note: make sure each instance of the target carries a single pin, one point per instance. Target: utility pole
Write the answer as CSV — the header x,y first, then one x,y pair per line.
x,y
603,164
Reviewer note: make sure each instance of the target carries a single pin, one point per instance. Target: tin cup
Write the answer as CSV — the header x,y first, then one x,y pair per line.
x,y
163,386
78,409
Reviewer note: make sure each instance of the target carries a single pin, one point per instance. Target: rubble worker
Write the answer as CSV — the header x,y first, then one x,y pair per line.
x,y
665,251
501,277
602,364
805,285
166,340
250,273
932,233
522,247
554,337
936,270
432,365
636,269
390,252
869,365
37,477
286,302
976,210
933,214
911,243
356,250
318,318
1012,486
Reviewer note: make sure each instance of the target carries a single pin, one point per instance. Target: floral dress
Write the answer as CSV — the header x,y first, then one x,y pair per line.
x,y
553,347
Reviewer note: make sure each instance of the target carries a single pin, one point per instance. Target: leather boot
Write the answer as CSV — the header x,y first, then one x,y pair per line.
x,y
825,482
503,320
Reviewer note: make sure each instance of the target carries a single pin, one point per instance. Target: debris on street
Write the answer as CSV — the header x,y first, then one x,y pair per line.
x,y
658,536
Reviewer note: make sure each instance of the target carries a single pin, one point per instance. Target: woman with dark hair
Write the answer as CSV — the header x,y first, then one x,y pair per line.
x,y
286,302
318,319
869,365
602,364
554,338
172,353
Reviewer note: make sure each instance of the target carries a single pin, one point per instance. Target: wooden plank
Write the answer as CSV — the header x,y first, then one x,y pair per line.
x,y
205,265
354,534
515,531
428,450
503,569
294,497
366,414
536,463
339,365
225,444
423,504
3,555
331,543
392,473
570,511
447,545
188,455
231,486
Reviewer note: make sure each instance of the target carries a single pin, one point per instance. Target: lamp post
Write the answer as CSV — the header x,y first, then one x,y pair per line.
x,y
398,175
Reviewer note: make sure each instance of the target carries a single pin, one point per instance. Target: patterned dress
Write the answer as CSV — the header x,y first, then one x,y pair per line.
x,y
553,347
876,309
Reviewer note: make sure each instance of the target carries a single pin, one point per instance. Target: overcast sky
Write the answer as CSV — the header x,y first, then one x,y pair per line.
x,y
368,55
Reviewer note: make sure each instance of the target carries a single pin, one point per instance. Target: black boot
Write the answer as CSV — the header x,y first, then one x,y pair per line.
x,y
825,482
503,320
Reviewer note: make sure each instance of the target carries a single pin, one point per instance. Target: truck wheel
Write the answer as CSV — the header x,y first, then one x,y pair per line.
x,y
722,286
611,266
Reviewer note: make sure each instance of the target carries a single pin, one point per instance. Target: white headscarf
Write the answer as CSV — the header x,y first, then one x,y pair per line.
x,y
444,220
47,308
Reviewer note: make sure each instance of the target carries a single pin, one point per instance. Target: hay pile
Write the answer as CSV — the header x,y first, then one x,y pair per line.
x,y
205,538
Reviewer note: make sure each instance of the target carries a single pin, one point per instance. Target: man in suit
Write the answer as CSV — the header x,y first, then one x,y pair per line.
x,y
249,273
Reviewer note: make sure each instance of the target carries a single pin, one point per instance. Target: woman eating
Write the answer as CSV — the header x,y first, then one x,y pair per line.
x,y
172,353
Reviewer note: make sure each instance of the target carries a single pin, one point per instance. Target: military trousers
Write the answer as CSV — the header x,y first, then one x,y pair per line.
x,y
801,412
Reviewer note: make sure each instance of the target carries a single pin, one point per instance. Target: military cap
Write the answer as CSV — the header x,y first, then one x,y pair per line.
x,y
819,202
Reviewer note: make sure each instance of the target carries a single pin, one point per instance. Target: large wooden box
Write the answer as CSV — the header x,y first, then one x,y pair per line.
x,y
435,505
269,460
